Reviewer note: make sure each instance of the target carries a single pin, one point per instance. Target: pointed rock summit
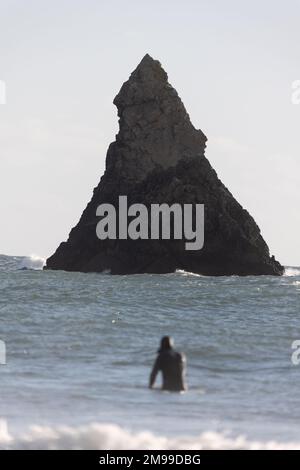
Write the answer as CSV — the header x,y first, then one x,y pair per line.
x,y
155,129
158,157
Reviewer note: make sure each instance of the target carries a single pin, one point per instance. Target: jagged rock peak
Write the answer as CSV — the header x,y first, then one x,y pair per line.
x,y
154,124
148,80
150,69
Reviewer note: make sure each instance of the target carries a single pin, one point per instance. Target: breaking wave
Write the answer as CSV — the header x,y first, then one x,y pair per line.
x,y
187,273
292,271
32,262
97,436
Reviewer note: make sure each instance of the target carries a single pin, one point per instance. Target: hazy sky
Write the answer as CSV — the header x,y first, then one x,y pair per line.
x,y
232,63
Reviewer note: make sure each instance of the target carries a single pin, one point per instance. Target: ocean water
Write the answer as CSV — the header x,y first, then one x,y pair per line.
x,y
79,349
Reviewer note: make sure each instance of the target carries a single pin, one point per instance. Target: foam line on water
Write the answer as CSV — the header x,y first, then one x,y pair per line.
x,y
112,437
187,273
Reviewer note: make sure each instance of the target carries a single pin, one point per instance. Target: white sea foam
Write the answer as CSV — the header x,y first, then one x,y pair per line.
x,y
187,273
112,437
291,271
32,262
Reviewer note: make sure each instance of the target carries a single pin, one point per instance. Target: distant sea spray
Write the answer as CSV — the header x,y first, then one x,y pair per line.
x,y
32,262
292,271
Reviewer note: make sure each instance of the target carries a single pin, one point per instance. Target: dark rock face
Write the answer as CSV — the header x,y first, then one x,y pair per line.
x,y
158,157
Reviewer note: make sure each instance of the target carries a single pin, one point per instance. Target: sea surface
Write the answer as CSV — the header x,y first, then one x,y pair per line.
x,y
80,347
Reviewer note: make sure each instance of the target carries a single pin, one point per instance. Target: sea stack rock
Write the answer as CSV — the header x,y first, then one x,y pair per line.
x,y
158,157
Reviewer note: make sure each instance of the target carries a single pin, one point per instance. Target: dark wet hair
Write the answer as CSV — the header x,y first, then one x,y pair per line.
x,y
166,343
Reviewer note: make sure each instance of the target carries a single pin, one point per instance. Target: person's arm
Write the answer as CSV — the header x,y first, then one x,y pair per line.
x,y
154,372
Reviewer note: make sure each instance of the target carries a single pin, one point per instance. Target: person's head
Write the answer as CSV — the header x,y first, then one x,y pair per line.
x,y
166,343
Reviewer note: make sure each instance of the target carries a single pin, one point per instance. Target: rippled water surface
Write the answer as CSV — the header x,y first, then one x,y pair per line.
x,y
80,348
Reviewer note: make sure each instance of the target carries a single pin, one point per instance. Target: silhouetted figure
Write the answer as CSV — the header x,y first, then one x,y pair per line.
x,y
171,364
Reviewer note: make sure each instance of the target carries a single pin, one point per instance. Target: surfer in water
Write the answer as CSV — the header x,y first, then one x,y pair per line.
x,y
172,365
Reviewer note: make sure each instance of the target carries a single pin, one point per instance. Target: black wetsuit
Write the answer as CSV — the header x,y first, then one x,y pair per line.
x,y
172,366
